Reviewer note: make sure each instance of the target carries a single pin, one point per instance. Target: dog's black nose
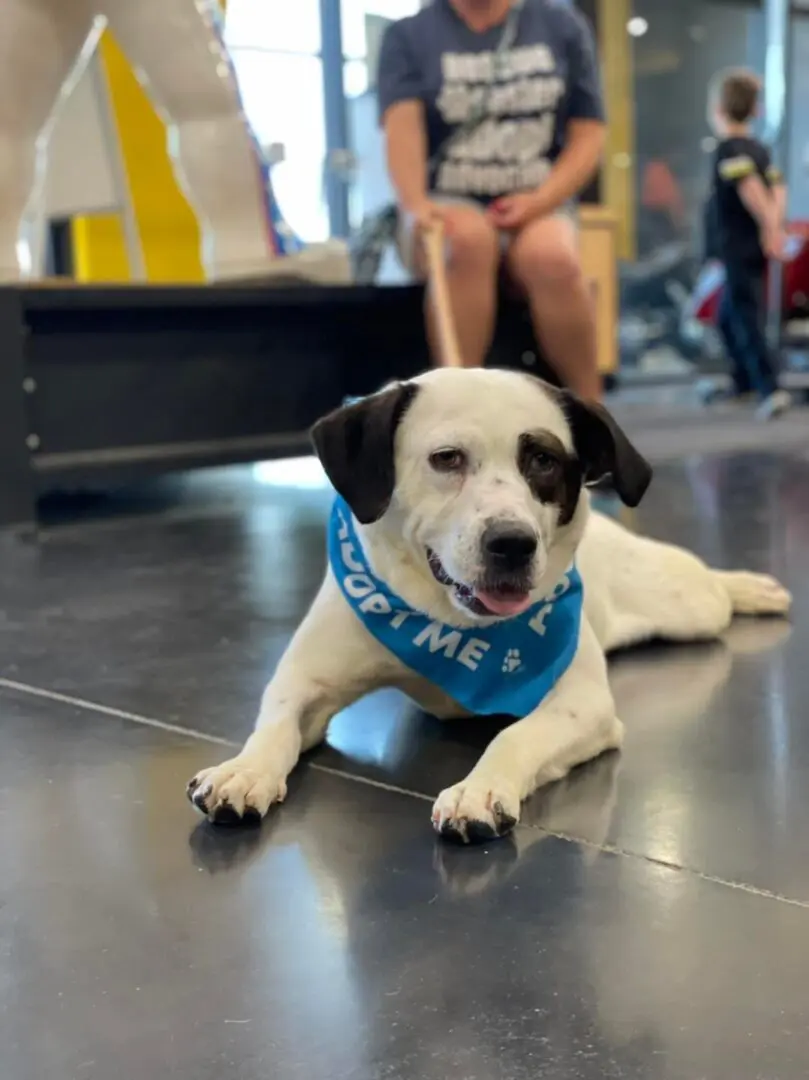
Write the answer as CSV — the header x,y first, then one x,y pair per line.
x,y
509,547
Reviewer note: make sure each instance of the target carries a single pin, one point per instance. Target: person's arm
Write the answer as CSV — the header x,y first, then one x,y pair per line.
x,y
758,199
586,132
779,193
576,165
401,111
406,149
780,196
763,205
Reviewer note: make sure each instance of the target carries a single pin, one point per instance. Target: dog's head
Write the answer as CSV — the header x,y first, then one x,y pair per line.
x,y
480,473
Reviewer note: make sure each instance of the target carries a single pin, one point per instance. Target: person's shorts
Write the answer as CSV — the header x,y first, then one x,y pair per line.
x,y
406,234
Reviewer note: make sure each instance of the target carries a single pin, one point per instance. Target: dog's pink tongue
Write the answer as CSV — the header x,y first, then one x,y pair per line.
x,y
505,604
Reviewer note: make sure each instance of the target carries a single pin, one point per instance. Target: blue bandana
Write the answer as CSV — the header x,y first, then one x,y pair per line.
x,y
507,668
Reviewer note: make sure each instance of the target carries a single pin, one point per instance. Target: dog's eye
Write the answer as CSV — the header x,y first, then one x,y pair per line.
x,y
448,459
543,462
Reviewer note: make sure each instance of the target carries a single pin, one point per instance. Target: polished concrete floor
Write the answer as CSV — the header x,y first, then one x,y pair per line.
x,y
649,919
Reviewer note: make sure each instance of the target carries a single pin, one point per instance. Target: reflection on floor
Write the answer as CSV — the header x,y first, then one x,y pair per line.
x,y
649,920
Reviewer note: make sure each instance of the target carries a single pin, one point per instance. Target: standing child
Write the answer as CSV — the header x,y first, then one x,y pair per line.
x,y
748,201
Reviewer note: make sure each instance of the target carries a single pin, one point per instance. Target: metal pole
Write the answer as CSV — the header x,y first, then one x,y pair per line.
x,y
335,113
778,101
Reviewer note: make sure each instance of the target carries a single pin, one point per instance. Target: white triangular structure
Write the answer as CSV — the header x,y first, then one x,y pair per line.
x,y
84,170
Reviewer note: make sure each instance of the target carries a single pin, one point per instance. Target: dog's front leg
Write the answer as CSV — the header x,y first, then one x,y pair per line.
x,y
331,661
575,723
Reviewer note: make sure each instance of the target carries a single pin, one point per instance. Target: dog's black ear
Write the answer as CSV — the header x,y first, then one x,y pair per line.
x,y
355,445
604,450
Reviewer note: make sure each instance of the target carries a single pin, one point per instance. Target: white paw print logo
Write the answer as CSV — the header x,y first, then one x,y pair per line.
x,y
512,662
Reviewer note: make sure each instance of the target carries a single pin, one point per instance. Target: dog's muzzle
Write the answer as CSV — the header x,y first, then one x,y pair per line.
x,y
504,590
508,549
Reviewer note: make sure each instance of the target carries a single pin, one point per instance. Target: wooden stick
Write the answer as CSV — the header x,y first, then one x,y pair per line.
x,y
448,347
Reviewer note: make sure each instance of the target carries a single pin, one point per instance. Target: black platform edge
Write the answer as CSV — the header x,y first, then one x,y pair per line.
x,y
17,488
95,297
102,385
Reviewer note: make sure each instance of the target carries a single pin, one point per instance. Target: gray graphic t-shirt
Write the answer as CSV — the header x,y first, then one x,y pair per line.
x,y
549,77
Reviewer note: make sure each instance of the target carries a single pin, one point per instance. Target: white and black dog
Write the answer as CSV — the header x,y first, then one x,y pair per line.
x,y
466,568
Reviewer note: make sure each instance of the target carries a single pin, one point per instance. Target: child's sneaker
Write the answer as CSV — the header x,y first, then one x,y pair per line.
x,y
712,392
774,406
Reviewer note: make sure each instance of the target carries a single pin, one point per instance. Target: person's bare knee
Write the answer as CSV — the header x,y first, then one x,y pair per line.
x,y
551,266
473,256
544,256
473,244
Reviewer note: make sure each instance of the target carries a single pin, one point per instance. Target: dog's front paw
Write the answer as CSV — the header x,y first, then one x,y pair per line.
x,y
236,792
472,812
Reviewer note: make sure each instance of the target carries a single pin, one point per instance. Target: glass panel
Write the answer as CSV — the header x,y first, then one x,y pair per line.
x,y
356,78
364,23
283,100
273,24
371,189
357,14
678,49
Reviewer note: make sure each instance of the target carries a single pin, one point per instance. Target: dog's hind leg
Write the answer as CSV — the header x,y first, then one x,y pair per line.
x,y
690,602
754,594
331,661
641,590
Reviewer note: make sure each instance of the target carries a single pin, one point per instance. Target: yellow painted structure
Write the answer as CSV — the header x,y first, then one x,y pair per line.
x,y
169,233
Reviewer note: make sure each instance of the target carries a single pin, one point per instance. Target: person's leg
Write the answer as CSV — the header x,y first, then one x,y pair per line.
x,y
543,259
734,350
473,259
746,289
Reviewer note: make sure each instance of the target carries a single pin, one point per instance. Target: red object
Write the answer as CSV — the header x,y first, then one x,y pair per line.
x,y
660,190
705,298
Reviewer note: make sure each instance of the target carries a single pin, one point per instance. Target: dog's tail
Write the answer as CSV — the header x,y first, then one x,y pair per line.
x,y
755,594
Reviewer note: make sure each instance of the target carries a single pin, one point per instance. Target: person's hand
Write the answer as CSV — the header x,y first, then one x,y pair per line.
x,y
515,211
774,243
427,215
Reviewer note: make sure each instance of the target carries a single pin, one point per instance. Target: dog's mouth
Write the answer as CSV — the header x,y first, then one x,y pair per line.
x,y
502,599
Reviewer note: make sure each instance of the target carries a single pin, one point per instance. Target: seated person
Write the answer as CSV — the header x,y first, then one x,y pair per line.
x,y
504,188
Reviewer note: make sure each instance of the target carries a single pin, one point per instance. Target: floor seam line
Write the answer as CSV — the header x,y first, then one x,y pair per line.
x,y
111,711
369,781
201,736
593,845
666,864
